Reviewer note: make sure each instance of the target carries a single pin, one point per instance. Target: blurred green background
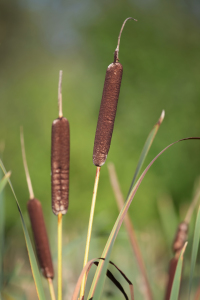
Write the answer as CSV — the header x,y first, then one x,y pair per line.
x,y
160,56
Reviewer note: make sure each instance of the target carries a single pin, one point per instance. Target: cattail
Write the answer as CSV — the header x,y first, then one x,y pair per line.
x,y
40,237
108,108
181,237
60,160
38,225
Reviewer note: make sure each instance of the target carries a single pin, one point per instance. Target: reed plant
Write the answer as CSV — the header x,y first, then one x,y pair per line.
x,y
60,162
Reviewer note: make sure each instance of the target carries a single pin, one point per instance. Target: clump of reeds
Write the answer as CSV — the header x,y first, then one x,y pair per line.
x,y
60,154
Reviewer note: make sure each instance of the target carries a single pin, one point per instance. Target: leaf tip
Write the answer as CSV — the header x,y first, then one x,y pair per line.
x,y
161,117
8,174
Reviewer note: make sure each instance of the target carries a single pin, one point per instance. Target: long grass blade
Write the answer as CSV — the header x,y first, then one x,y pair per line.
x,y
195,247
32,259
147,294
4,180
98,281
177,277
146,148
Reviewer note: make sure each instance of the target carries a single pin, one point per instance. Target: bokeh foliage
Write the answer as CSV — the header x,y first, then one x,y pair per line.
x,y
160,56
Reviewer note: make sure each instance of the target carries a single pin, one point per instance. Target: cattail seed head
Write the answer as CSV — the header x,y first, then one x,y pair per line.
x,y
107,113
60,149
108,107
40,237
181,237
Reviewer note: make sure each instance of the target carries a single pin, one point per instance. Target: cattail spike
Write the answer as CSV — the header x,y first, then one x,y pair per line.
x,y
108,108
60,150
40,237
60,94
116,58
28,179
180,238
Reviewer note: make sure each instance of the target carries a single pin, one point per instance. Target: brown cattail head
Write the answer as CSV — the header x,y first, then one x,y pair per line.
x,y
60,149
108,108
107,113
40,236
181,237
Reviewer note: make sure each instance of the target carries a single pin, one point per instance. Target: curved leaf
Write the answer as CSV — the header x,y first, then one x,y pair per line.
x,y
177,277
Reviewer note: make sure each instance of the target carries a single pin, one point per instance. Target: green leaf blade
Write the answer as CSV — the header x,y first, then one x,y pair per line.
x,y
32,258
177,277
195,247
98,281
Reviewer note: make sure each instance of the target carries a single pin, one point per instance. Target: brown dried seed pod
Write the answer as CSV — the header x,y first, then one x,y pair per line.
x,y
40,237
60,166
107,113
108,107
181,237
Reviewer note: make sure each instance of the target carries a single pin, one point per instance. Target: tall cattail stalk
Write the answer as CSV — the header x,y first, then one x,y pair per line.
x,y
38,227
104,132
60,152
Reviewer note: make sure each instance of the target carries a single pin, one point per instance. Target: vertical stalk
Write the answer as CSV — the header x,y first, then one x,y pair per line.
x,y
87,247
59,256
51,289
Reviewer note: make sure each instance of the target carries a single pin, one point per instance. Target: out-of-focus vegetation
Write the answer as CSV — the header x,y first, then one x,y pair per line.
x,y
160,56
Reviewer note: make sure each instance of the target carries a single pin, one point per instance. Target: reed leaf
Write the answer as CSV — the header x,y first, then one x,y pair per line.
x,y
177,277
4,180
32,259
98,281
146,148
195,247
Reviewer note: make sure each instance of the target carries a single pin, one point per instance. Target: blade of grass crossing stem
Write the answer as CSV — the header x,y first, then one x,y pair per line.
x,y
146,148
195,247
177,277
98,281
33,262
4,180
147,294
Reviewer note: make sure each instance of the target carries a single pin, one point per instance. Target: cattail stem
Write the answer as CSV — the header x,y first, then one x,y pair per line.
x,y
60,94
87,247
59,256
51,289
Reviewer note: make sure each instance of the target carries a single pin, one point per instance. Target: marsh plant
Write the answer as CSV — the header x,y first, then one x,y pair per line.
x,y
60,170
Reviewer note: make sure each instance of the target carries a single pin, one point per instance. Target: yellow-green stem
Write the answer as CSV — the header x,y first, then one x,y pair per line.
x,y
59,256
51,289
87,247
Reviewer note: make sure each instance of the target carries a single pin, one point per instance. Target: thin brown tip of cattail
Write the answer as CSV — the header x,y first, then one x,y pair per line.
x,y
116,58
60,153
181,237
40,237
